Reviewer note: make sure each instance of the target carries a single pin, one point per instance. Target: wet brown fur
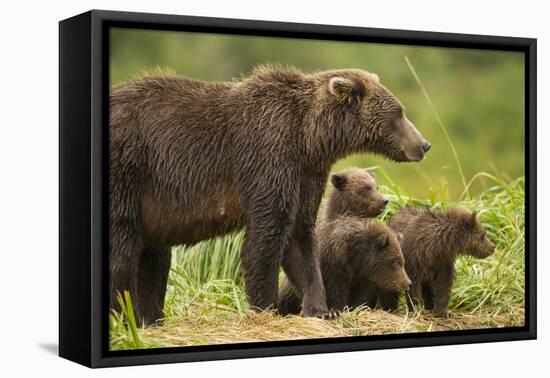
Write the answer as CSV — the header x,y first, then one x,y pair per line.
x,y
431,242
357,254
190,160
355,194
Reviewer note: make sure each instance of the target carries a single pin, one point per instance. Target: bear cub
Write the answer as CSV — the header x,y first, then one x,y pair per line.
x,y
355,252
431,242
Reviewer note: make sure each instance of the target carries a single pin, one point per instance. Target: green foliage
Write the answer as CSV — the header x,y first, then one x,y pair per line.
x,y
208,272
498,281
124,324
441,125
479,94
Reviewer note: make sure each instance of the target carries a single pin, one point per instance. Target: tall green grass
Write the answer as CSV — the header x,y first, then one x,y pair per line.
x,y
208,272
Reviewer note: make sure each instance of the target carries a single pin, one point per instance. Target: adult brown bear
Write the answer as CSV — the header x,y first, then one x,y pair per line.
x,y
190,160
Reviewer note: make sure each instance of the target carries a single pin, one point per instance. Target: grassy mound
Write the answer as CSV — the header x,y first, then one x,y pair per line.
x,y
206,302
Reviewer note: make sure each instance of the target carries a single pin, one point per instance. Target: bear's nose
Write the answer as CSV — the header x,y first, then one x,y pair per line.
x,y
426,146
385,201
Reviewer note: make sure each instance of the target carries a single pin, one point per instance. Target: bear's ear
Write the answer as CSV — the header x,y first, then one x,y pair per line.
x,y
345,90
470,221
373,175
382,241
339,180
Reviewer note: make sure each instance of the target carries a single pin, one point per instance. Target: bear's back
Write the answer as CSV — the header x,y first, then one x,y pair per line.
x,y
406,217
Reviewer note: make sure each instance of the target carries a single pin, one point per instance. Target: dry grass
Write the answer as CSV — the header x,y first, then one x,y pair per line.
x,y
265,326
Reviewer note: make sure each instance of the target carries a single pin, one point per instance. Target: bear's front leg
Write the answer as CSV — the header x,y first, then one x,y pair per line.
x,y
414,295
154,266
428,297
124,256
338,290
363,295
289,302
300,261
303,270
441,290
261,259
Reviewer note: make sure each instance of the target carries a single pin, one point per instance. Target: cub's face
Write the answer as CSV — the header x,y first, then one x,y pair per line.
x,y
358,191
378,117
477,245
387,269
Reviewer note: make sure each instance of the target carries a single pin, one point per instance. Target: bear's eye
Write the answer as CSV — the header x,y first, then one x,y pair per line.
x,y
401,110
365,191
398,112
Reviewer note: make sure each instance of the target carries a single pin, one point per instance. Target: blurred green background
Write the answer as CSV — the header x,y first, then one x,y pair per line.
x,y
479,94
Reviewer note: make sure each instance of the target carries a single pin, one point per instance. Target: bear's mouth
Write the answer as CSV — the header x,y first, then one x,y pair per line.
x,y
489,251
407,156
375,211
380,209
483,253
401,289
414,157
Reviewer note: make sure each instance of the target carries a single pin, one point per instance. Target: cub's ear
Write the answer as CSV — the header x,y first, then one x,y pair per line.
x,y
339,180
345,90
470,221
382,241
399,237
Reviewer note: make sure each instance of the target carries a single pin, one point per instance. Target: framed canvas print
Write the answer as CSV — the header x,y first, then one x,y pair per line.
x,y
234,188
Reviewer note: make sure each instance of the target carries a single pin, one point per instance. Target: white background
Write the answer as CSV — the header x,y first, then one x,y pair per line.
x,y
29,186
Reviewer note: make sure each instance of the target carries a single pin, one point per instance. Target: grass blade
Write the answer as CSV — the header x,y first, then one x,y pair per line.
x,y
441,125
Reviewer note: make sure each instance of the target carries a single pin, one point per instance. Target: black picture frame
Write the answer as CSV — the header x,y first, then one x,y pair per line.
x,y
83,141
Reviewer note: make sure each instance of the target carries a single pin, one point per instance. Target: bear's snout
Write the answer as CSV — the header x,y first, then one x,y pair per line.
x,y
426,146
404,283
408,283
490,248
414,144
379,206
383,203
